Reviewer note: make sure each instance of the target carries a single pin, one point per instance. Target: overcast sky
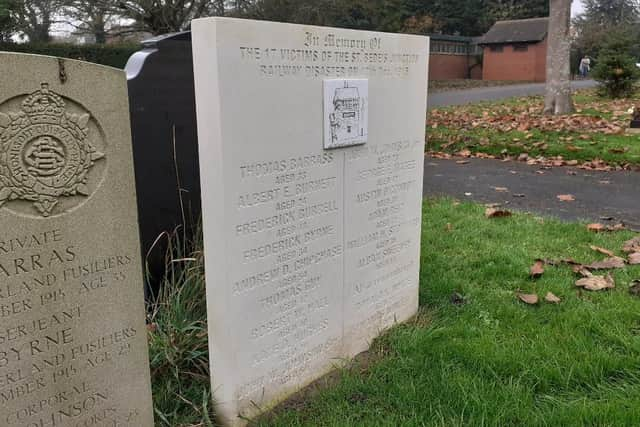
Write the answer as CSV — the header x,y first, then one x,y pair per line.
x,y
577,7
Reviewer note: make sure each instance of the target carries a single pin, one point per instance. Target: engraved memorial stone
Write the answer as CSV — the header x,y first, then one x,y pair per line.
x,y
311,242
73,348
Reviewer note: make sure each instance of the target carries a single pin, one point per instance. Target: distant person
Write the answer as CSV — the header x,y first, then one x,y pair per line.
x,y
585,67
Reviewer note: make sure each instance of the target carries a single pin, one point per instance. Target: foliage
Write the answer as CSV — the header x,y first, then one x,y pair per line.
x,y
178,339
616,69
600,18
6,22
167,16
465,17
111,55
33,18
96,18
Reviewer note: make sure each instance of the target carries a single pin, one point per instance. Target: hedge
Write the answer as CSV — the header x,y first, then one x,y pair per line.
x,y
112,55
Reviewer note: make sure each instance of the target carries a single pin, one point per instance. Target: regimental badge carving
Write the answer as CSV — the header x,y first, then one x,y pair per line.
x,y
45,152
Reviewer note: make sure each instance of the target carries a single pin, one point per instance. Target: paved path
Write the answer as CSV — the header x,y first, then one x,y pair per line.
x,y
598,195
459,97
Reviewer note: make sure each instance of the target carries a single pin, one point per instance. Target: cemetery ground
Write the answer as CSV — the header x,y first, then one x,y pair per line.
x,y
475,354
516,129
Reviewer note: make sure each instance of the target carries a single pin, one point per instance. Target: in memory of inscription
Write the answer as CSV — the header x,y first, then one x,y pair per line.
x,y
345,112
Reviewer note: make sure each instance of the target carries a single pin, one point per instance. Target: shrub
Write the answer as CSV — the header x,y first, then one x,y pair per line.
x,y
111,55
616,69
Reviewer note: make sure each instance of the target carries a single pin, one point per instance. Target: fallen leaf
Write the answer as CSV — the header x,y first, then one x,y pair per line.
x,y
501,189
596,283
551,298
531,299
537,269
582,270
596,227
496,213
634,258
602,251
632,245
566,197
448,227
608,263
462,162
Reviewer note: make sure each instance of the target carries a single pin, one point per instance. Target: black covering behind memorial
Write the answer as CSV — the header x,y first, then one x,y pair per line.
x,y
162,105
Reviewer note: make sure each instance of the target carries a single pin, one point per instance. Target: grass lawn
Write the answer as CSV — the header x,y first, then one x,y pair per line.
x,y
490,361
517,126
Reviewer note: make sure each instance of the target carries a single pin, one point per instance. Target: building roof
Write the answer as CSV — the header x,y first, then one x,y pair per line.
x,y
450,38
517,31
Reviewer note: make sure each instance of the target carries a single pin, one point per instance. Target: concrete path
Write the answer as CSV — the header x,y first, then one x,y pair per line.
x,y
598,195
460,97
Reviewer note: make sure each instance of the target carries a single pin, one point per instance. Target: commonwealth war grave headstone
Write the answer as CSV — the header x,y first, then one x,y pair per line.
x,y
165,142
311,153
73,347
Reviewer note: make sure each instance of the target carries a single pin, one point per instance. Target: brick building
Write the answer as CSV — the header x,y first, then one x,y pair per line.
x,y
454,57
516,50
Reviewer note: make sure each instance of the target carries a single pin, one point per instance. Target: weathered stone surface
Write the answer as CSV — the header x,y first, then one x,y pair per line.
x,y
310,253
165,143
73,348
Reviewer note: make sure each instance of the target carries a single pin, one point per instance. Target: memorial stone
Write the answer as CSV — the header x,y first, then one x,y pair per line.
x,y
165,143
311,154
73,346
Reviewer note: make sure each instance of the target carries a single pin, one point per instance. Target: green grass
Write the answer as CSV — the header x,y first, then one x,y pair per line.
x,y
491,361
578,144
178,343
494,361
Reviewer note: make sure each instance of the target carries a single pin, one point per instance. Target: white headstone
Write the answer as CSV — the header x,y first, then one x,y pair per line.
x,y
311,249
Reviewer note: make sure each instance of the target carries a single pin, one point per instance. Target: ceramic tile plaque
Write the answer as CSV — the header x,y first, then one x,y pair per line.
x,y
311,243
345,112
73,346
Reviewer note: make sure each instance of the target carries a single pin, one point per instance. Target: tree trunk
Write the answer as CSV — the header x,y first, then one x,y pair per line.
x,y
558,90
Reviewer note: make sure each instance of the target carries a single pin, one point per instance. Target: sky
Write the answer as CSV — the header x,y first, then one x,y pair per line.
x,y
576,7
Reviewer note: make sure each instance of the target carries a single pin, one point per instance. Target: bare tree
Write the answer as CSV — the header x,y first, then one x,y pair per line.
x,y
93,17
33,18
167,16
558,90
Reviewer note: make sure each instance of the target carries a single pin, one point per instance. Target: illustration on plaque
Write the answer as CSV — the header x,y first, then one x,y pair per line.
x,y
45,152
345,112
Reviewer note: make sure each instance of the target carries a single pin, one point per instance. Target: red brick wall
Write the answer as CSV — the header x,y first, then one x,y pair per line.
x,y
445,67
515,65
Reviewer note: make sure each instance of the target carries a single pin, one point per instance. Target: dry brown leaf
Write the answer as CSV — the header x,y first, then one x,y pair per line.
x,y
462,162
596,227
582,270
634,258
566,197
596,283
632,245
496,213
531,299
551,298
607,263
602,251
501,189
537,269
